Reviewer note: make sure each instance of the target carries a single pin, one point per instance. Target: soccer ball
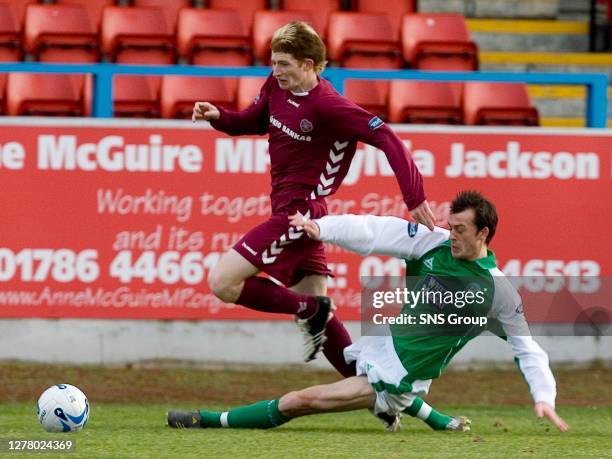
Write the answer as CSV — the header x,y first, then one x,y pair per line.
x,y
63,408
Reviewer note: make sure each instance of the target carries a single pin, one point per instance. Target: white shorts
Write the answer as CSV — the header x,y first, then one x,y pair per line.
x,y
375,358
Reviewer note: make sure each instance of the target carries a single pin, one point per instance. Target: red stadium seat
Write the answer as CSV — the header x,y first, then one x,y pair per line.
x,y
60,33
45,94
425,102
246,8
18,7
362,40
137,36
88,83
369,94
320,10
213,37
3,77
169,7
394,9
267,22
487,103
93,7
10,36
136,96
178,94
438,41
248,90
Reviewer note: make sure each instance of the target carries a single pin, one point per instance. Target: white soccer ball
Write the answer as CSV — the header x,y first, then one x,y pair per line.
x,y
63,408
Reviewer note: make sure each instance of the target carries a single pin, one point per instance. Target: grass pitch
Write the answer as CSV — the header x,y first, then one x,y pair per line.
x,y
128,409
133,431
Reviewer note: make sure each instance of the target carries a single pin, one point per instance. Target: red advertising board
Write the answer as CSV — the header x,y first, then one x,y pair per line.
x,y
125,219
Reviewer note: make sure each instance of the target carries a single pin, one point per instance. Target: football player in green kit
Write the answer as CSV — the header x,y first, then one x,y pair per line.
x,y
393,371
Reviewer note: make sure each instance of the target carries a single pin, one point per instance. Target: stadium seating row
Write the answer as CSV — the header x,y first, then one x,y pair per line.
x,y
474,103
320,8
146,34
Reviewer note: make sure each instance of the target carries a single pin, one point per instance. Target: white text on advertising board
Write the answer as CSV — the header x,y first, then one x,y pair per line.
x,y
112,154
511,161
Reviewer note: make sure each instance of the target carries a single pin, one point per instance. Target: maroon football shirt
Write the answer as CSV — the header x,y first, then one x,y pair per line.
x,y
312,140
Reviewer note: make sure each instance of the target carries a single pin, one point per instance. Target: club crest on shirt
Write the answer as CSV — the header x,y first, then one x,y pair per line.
x,y
375,123
412,229
306,126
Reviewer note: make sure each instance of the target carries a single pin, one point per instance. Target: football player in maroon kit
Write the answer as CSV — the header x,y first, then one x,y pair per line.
x,y
313,132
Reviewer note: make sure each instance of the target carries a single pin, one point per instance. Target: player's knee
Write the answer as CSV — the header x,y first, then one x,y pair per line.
x,y
294,404
222,286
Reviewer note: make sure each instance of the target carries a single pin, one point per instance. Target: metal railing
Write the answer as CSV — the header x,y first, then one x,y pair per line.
x,y
596,99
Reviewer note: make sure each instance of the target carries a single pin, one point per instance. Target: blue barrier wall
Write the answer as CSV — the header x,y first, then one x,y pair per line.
x,y
597,84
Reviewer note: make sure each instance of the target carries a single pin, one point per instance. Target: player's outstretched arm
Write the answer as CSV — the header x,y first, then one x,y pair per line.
x,y
366,234
205,111
543,409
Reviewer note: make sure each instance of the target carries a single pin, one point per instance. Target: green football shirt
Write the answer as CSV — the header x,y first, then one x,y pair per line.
x,y
426,349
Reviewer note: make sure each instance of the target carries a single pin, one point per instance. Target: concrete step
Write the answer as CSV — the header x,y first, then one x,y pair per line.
x,y
574,10
532,35
494,8
566,122
556,102
546,62
561,101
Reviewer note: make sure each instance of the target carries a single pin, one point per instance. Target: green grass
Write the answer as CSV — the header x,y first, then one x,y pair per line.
x,y
126,431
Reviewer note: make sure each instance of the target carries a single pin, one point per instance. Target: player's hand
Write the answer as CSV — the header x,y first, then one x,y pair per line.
x,y
205,111
423,214
311,228
543,409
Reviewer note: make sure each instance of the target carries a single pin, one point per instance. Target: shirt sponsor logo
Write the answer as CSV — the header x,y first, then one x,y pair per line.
x,y
412,229
375,123
306,126
294,135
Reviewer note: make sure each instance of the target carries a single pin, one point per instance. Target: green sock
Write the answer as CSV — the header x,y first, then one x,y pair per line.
x,y
433,418
260,415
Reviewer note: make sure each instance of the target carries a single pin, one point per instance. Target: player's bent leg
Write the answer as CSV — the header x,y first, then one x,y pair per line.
x,y
233,280
226,279
349,394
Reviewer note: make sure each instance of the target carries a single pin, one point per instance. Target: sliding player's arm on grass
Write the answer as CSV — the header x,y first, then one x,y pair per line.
x,y
530,358
367,234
